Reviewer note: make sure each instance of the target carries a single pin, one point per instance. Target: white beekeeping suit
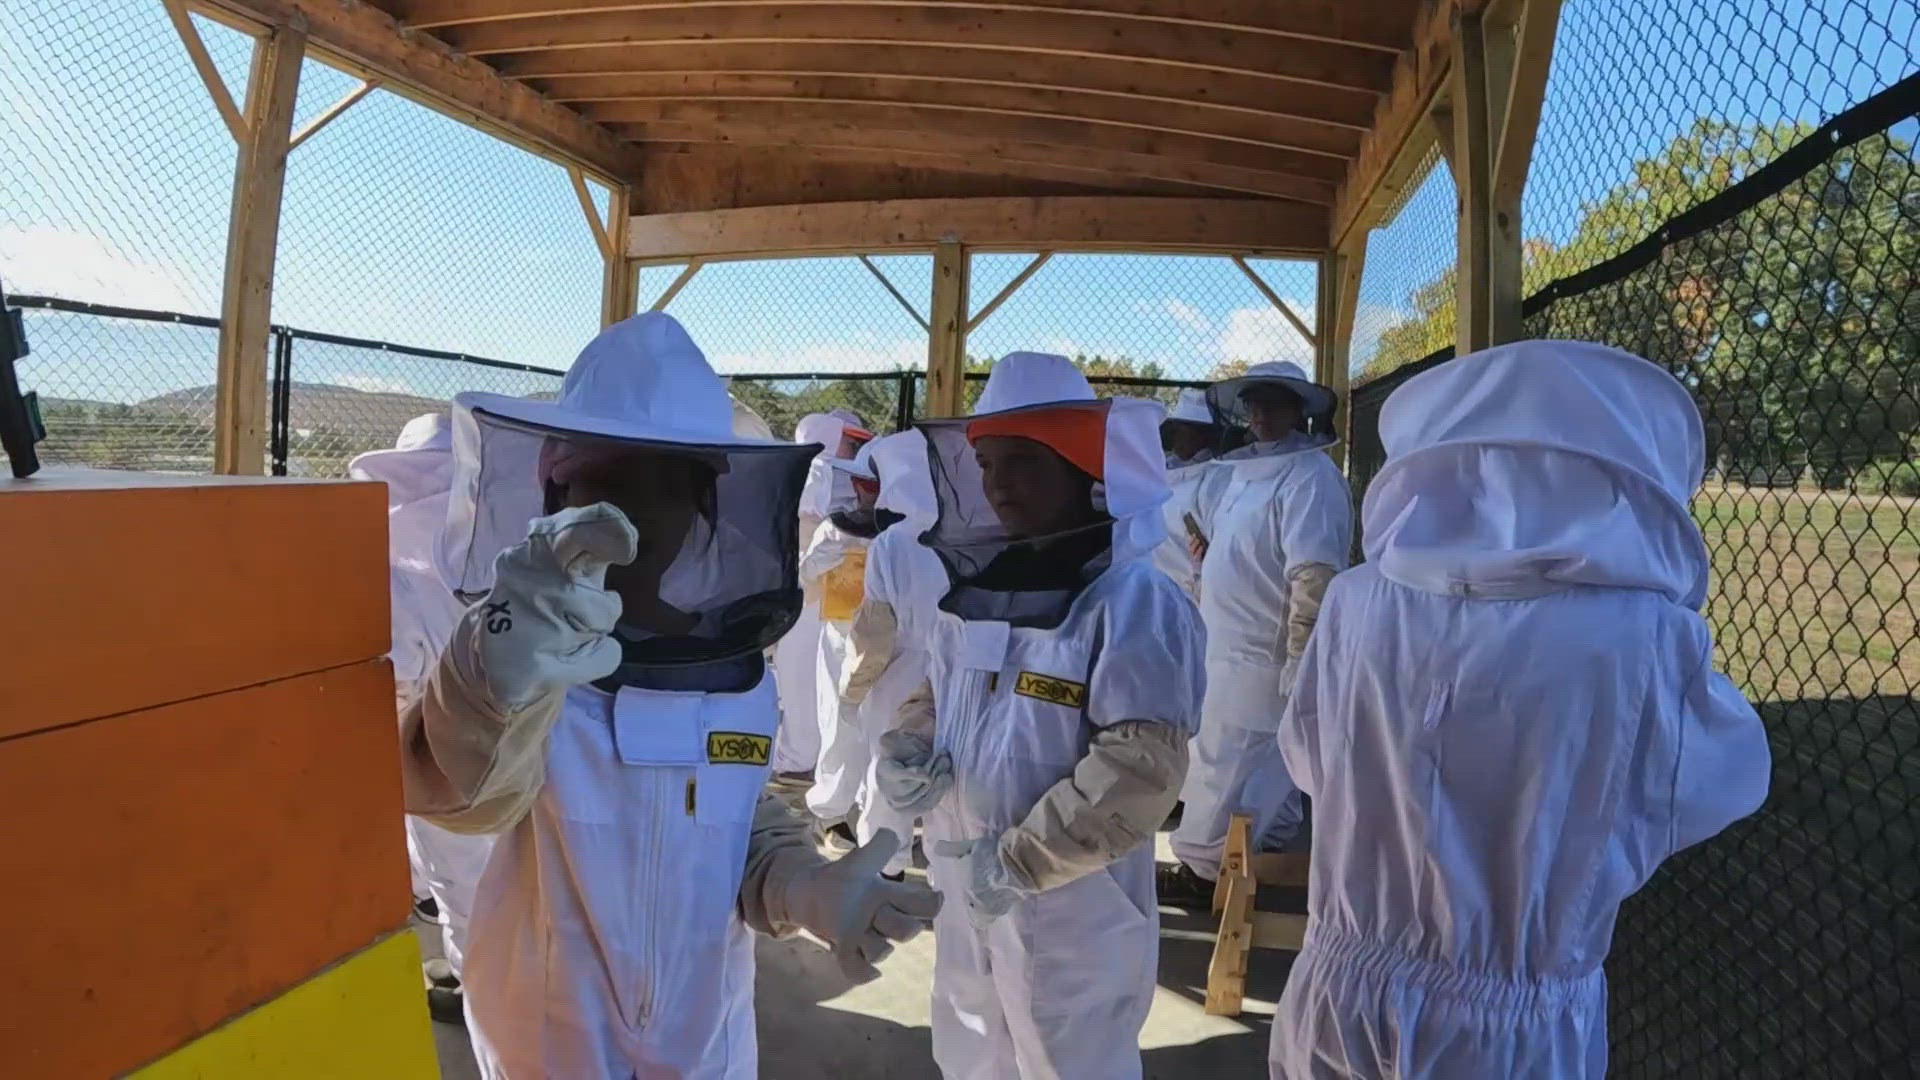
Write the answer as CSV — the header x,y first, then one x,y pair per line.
x,y
796,659
418,472
747,423
833,572
604,706
1065,678
888,642
1280,524
1507,718
1184,480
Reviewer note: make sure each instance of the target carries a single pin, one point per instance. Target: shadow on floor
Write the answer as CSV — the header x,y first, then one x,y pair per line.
x,y
803,1039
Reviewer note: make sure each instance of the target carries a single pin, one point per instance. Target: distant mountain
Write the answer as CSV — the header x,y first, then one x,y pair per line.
x,y
361,418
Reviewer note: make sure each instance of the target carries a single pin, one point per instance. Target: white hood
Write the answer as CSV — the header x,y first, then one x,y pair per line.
x,y
747,423
419,466
826,490
1020,379
1191,407
900,462
1529,467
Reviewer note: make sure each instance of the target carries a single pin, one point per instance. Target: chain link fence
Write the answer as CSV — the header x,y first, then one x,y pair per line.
x,y
1404,310
1748,215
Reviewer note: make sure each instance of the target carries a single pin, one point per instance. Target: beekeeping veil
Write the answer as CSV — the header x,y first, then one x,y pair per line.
x,y
1539,465
641,423
1114,440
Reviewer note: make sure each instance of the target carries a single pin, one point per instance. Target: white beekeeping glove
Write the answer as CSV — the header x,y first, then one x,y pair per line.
x,y
910,776
546,624
858,913
992,886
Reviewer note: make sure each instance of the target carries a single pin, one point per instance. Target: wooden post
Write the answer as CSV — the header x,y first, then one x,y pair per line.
x,y
1472,160
1497,82
1338,292
947,342
619,294
253,232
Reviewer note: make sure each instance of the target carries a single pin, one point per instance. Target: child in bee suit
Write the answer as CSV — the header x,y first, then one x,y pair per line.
x,y
604,707
1191,439
1065,676
888,641
1507,718
1278,524
833,575
418,472
796,659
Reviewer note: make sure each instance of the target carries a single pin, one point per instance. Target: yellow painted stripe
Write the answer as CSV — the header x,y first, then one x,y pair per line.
x,y
364,1017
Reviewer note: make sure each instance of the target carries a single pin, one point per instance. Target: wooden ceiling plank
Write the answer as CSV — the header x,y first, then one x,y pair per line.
x,y
1273,132
1002,155
372,45
1033,33
1246,226
705,176
1057,131
1120,79
1400,133
1370,24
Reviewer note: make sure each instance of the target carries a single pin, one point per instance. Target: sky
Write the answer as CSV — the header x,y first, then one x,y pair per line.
x,y
400,224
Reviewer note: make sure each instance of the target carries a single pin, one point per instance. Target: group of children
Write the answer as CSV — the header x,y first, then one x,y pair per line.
x,y
1030,632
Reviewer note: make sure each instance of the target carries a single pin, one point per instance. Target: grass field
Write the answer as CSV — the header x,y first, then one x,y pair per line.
x,y
1815,593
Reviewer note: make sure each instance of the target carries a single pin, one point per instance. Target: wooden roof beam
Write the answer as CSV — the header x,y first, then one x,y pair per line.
x,y
1400,132
590,94
933,121
368,42
1367,24
927,69
1036,33
1242,226
1003,156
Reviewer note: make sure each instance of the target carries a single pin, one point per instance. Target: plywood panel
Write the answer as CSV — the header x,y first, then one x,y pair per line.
x,y
169,869
127,591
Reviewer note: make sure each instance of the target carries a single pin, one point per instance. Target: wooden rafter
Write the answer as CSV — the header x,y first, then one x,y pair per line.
x,y
1063,132
367,42
1002,156
1398,134
637,99
930,68
1068,223
1035,33
1362,24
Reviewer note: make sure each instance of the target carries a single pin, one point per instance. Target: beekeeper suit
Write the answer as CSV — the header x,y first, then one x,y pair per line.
x,y
797,657
833,573
747,423
888,641
604,706
1049,745
1278,529
418,472
1508,717
1185,473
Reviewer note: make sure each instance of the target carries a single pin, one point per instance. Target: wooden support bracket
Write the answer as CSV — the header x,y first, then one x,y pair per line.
x,y
1006,293
1274,298
202,60
332,113
1242,925
887,284
679,282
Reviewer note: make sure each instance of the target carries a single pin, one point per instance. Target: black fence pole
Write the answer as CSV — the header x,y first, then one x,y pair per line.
x,y
280,435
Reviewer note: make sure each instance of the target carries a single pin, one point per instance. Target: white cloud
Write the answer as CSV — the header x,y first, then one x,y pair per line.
x,y
863,353
1188,316
48,261
1260,334
373,384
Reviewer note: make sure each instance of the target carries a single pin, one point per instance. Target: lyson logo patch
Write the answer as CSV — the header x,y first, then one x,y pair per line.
x,y
737,748
1047,688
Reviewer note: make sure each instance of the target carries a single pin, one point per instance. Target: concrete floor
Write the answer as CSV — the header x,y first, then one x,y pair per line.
x,y
813,1026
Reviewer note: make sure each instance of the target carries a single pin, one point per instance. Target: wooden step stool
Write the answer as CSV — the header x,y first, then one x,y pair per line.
x,y
1243,926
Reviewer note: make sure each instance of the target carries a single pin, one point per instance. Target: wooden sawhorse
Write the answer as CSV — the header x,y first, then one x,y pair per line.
x,y
1242,926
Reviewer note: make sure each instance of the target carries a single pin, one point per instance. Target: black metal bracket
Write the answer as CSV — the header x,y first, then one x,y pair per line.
x,y
20,423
